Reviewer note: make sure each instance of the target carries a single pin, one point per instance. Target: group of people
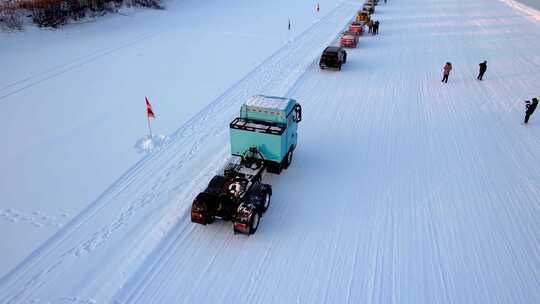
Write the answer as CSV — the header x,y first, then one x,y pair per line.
x,y
530,106
448,67
373,27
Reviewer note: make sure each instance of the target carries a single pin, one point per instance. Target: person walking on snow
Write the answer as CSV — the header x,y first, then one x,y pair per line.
x,y
530,107
483,68
446,72
376,28
370,26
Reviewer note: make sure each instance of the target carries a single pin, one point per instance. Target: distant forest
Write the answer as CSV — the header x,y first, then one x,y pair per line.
x,y
54,13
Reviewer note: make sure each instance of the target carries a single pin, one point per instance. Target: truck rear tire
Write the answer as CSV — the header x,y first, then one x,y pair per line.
x,y
288,159
251,226
266,200
254,223
199,210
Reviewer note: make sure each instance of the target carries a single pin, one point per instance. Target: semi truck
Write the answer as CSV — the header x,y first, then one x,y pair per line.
x,y
263,138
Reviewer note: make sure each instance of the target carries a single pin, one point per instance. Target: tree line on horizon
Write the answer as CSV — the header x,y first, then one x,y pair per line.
x,y
54,13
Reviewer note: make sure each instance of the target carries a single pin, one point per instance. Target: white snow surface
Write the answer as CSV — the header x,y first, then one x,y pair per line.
x,y
402,189
531,3
530,8
73,98
149,145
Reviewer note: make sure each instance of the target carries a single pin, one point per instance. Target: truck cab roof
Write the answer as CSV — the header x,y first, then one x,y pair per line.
x,y
267,108
331,49
269,102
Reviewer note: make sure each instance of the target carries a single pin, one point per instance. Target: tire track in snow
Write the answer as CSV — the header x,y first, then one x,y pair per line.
x,y
527,11
30,81
37,219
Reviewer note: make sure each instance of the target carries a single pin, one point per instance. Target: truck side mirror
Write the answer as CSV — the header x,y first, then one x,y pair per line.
x,y
297,113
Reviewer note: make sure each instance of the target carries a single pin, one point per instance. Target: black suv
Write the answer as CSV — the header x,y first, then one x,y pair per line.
x,y
333,56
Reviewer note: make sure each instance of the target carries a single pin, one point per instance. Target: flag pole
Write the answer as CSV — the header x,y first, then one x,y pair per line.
x,y
149,128
149,113
289,31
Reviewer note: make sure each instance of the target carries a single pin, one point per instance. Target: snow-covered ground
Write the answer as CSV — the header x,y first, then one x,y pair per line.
x,y
402,190
74,98
531,3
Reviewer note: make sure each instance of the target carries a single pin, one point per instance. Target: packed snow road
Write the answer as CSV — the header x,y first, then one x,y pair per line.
x,y
402,190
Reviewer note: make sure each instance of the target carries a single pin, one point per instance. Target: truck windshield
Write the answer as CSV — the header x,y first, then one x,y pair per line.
x,y
257,126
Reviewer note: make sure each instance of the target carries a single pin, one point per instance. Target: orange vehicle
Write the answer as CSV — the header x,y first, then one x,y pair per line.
x,y
356,27
362,16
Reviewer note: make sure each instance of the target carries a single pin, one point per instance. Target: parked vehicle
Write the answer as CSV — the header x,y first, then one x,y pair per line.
x,y
333,56
270,124
362,16
349,40
369,8
356,27
263,138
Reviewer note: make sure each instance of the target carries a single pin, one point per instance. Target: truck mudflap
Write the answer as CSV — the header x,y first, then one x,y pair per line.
x,y
200,209
246,220
197,217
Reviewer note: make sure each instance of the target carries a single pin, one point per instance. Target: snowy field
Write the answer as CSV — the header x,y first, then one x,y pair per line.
x,y
531,3
75,98
402,190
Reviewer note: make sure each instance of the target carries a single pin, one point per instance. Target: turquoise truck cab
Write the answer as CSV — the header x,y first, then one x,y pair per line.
x,y
270,125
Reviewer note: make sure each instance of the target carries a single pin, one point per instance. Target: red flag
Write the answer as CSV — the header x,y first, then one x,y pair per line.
x,y
149,111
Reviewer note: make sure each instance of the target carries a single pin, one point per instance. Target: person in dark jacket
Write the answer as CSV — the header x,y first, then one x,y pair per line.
x,y
530,107
483,68
376,28
446,72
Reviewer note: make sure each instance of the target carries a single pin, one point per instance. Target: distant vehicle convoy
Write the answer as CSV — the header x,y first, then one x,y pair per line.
x,y
263,138
336,56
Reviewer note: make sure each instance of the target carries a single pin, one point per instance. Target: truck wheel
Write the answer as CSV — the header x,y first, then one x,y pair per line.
x,y
288,159
254,223
266,201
